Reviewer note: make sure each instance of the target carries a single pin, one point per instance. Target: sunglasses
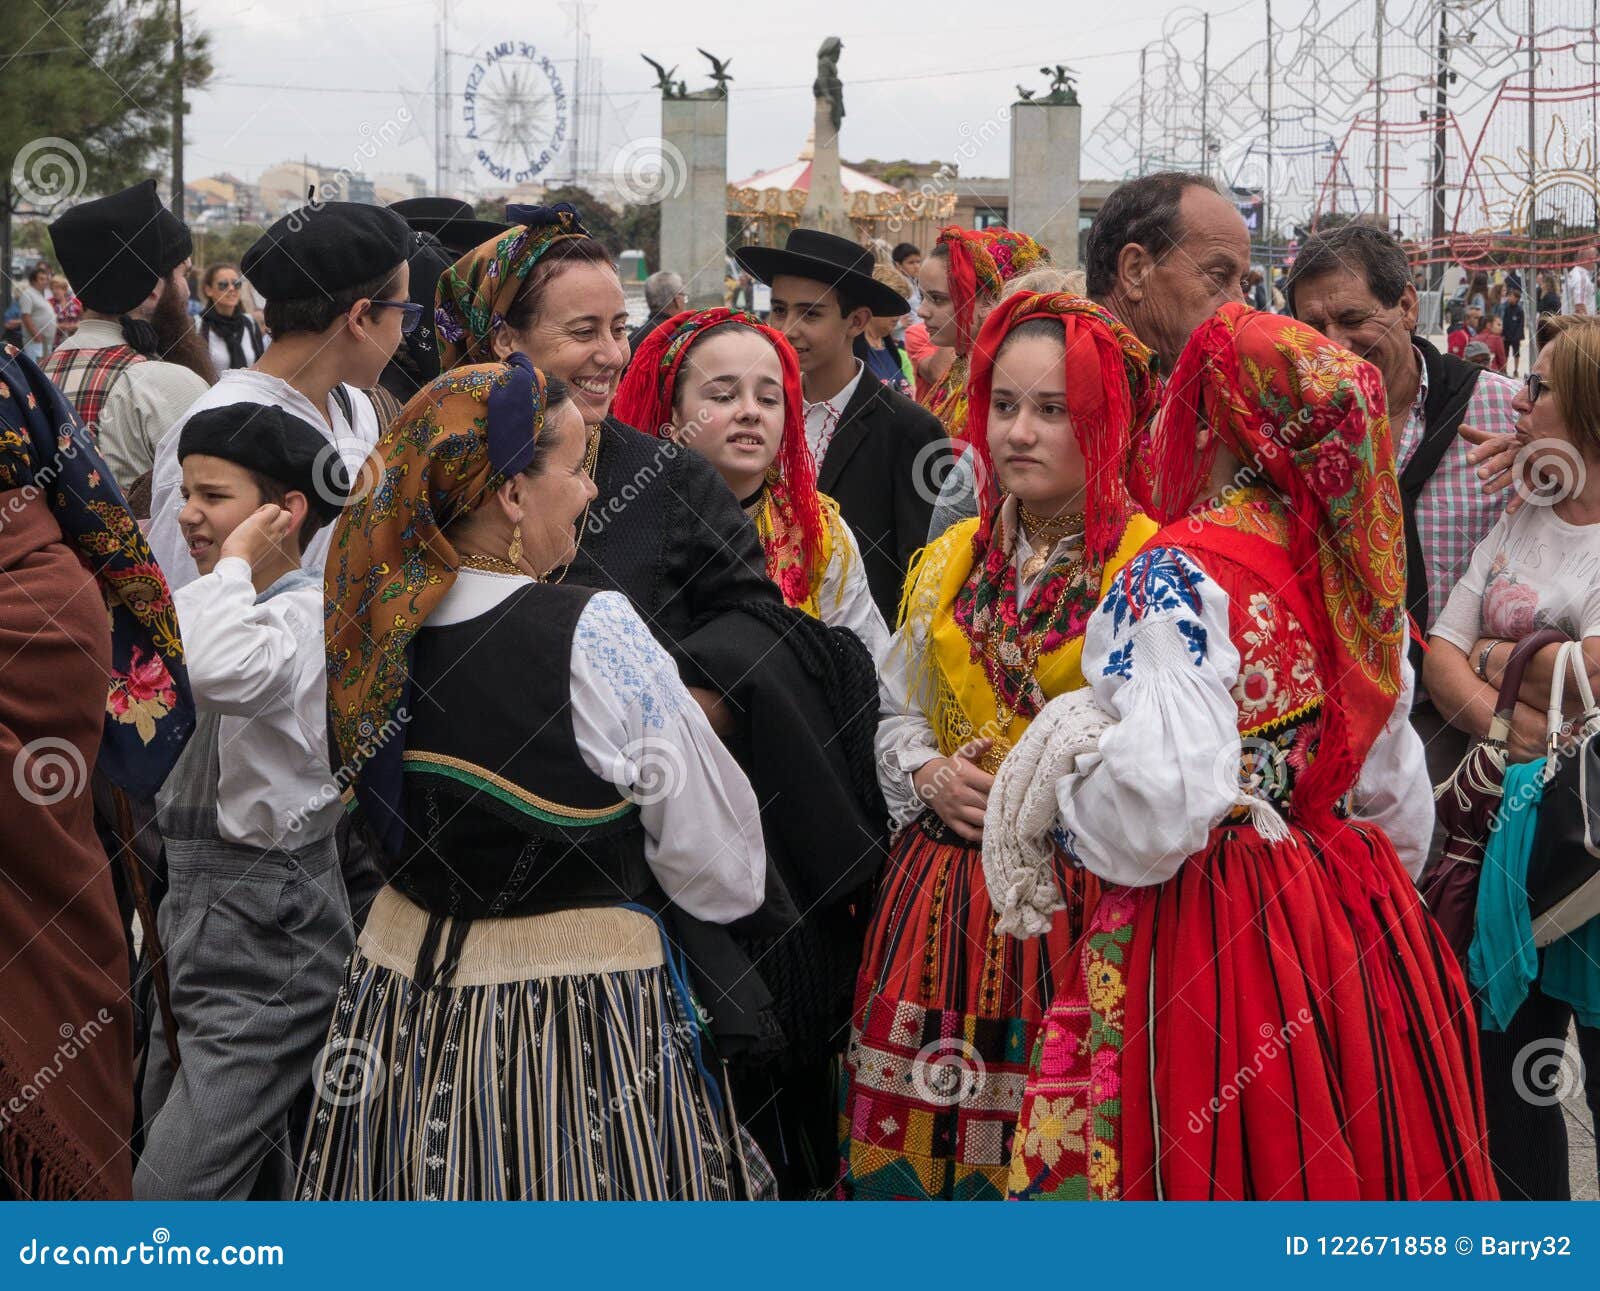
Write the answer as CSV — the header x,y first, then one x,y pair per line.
x,y
1535,385
411,312
228,284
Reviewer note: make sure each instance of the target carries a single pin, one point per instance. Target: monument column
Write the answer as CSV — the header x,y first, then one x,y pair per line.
x,y
824,208
1046,146
694,187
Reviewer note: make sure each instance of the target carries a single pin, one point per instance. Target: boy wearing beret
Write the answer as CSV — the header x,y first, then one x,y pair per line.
x,y
337,289
256,923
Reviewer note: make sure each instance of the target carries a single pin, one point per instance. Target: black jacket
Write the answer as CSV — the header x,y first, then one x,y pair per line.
x,y
883,468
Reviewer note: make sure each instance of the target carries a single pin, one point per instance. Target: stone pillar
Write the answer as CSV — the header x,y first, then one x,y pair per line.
x,y
824,207
1046,144
694,207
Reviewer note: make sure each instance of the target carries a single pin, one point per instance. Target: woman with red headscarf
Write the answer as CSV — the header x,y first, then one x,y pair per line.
x,y
960,282
947,1008
1265,1010
725,385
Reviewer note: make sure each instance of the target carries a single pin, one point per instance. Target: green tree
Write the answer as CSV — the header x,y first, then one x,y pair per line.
x,y
86,98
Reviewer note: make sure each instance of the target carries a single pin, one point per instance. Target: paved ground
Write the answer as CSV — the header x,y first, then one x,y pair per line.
x,y
1580,1139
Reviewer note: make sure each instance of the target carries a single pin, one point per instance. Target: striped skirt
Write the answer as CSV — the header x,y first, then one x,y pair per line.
x,y
946,1014
560,1063
1254,1028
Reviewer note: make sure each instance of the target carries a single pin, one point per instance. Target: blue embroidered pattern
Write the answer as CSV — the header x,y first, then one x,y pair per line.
x,y
1162,578
618,646
1119,663
1195,635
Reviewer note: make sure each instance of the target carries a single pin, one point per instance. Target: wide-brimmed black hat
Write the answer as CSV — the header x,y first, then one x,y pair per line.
x,y
450,220
116,248
822,257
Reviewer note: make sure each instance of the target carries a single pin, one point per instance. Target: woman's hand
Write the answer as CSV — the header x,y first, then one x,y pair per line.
x,y
1527,739
957,789
715,708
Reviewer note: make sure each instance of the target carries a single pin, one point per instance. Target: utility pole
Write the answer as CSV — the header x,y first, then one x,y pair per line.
x,y
1436,180
1142,54
1266,189
1530,289
1379,205
1205,96
177,111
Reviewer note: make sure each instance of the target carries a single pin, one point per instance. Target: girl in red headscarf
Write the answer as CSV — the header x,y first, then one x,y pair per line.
x,y
1264,1009
947,1008
960,282
727,386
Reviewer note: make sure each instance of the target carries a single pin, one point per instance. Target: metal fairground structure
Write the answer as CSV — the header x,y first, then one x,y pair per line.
x,y
1469,127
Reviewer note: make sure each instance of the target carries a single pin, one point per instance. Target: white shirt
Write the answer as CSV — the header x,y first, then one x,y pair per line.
x,y
246,385
1577,288
822,417
142,403
38,310
844,598
905,735
218,347
639,729
262,667
1169,770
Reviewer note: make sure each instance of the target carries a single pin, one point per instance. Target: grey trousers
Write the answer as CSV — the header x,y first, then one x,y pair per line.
x,y
256,945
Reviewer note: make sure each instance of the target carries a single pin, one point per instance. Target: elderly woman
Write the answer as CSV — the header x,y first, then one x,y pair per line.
x,y
513,1015
992,630
793,697
1251,664
94,681
1538,568
728,387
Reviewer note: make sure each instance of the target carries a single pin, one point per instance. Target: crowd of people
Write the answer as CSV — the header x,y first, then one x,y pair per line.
x,y
970,732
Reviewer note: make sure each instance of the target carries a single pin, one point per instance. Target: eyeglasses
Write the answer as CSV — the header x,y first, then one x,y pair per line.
x,y
411,312
1535,385
228,284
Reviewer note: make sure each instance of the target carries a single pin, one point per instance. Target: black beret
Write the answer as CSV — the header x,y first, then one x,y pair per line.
x,y
116,248
264,438
325,248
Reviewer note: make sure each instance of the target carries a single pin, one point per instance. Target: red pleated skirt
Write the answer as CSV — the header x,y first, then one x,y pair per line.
x,y
947,1012
1235,1033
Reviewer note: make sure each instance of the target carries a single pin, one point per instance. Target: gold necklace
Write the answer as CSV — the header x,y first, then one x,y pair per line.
x,y
1043,535
591,455
493,565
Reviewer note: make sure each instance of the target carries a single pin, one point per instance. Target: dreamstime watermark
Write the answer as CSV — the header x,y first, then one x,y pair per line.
x,y
926,194
336,484
331,791
600,516
374,139
348,1071
650,170
1545,1072
74,1040
947,1072
1548,471
48,770
934,464
48,171
1261,770
653,770
1275,1040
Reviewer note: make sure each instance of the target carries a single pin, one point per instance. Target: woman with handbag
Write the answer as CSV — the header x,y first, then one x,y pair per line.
x,y
1537,569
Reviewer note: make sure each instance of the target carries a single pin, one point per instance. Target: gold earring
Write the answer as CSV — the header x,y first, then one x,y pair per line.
x,y
514,551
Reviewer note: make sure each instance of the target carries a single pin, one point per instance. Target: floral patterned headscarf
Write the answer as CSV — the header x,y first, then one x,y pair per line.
x,y
981,262
390,563
649,389
43,448
475,293
1312,420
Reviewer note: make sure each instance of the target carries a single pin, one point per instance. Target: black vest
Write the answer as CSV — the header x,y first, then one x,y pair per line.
x,y
504,816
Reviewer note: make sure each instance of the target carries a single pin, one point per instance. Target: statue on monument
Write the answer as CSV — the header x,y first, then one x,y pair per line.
x,y
828,88
719,72
1063,87
669,88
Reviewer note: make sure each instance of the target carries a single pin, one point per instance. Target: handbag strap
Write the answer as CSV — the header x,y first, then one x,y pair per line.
x,y
1511,684
1554,717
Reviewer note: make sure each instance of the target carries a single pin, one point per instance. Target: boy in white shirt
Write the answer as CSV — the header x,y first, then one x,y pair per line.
x,y
256,923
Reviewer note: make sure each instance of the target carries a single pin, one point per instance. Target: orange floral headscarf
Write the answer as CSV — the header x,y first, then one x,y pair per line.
x,y
1312,420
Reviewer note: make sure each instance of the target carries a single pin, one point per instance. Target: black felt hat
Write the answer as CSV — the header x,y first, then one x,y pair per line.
x,y
116,248
822,257
326,247
450,220
263,437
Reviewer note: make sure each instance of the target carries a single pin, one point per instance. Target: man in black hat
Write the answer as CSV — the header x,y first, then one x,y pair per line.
x,y
337,288
135,363
878,454
449,219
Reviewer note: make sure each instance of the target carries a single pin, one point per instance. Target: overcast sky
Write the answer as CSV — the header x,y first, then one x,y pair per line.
x,y
318,78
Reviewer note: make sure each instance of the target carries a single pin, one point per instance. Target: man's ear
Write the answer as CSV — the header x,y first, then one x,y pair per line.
x,y
299,508
857,319
1134,265
1408,307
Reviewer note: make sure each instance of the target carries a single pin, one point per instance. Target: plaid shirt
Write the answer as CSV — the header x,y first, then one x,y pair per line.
x,y
86,376
1453,513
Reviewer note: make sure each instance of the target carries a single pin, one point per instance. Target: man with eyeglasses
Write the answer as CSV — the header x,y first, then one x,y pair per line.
x,y
134,364
1453,425
337,286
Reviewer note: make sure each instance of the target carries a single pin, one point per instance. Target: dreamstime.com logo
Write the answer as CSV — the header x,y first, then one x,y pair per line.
x,y
160,1249
650,170
49,770
49,171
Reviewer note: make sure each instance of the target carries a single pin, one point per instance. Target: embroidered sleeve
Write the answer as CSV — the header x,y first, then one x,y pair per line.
x,y
1158,656
617,646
